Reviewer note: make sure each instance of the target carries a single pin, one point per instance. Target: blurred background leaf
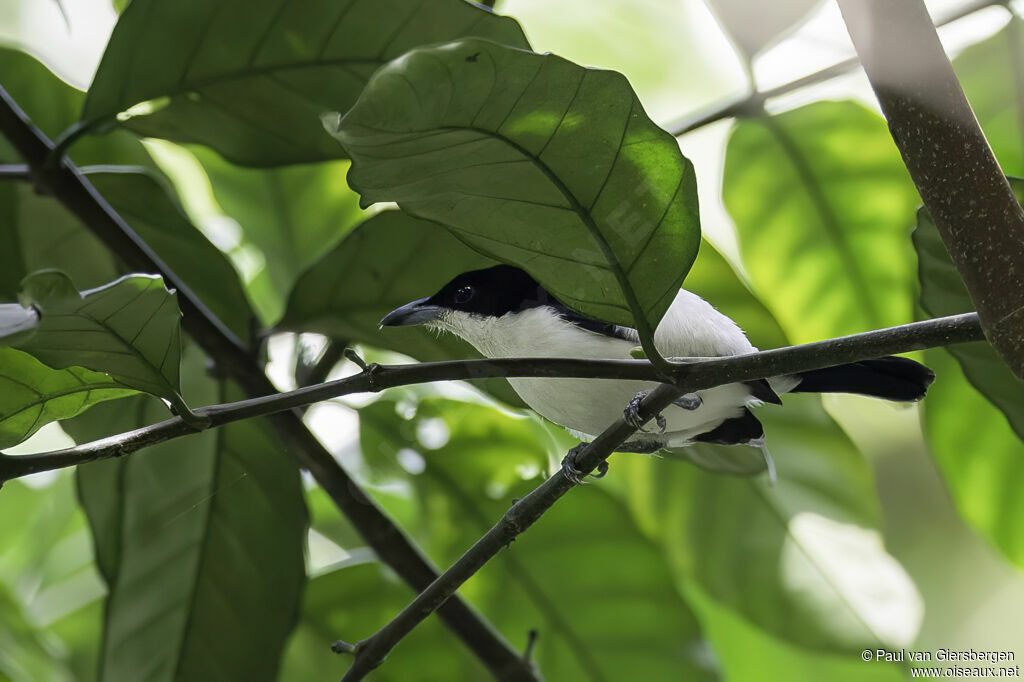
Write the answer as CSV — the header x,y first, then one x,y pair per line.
x,y
822,205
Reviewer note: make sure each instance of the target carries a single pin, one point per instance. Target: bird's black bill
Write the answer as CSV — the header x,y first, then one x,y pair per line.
x,y
417,312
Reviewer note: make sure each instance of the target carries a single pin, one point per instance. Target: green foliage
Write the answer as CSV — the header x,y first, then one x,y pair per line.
x,y
217,522
822,205
32,394
249,78
128,329
487,140
983,387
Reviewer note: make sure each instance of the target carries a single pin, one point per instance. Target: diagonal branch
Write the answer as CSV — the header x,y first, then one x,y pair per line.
x,y
692,374
753,104
370,652
65,182
949,159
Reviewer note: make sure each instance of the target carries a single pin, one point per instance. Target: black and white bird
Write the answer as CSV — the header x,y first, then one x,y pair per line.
x,y
503,312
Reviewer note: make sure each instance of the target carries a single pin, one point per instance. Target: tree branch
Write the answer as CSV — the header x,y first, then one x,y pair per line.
x,y
370,652
689,373
753,104
962,186
66,182
12,171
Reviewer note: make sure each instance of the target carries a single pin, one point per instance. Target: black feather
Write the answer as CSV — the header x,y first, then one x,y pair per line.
x,y
890,378
735,431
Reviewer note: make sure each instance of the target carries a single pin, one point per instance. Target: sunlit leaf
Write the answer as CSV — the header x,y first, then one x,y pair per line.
x,y
128,329
386,262
249,78
803,559
821,201
292,215
217,522
537,162
32,394
990,73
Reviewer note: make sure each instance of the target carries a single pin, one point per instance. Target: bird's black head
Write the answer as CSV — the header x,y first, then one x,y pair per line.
x,y
491,292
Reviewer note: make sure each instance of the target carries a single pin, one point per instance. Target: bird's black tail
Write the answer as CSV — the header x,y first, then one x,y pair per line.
x,y
890,378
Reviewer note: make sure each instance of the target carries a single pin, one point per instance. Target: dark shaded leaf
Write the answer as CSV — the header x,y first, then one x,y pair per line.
x,y
534,161
129,329
249,78
217,521
387,261
820,199
32,394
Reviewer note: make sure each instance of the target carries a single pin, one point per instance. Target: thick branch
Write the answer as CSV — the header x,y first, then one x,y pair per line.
x,y
692,375
393,547
949,159
752,104
370,652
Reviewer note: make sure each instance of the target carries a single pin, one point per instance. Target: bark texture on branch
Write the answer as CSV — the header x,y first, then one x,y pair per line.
x,y
949,159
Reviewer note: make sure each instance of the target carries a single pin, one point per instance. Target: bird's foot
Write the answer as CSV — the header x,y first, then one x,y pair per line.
x,y
574,475
632,414
689,401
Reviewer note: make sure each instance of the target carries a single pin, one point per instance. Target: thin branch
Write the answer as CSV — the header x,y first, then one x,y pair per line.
x,y
15,171
753,104
317,370
65,181
370,652
957,175
691,374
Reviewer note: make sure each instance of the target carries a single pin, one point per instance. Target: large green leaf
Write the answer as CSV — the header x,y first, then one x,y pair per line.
x,y
142,200
200,541
989,73
803,559
534,161
387,261
129,329
983,456
249,78
32,394
572,576
821,201
360,599
291,215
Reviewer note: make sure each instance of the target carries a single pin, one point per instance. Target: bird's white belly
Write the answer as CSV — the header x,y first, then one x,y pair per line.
x,y
589,406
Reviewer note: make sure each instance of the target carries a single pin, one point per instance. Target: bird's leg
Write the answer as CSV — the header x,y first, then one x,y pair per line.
x,y
632,414
689,401
569,466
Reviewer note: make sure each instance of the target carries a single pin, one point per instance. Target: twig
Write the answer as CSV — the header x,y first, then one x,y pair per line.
x,y
370,652
949,159
391,545
753,104
691,375
317,372
13,171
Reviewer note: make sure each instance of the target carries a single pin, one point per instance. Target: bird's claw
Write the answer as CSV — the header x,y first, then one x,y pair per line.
x,y
574,475
632,414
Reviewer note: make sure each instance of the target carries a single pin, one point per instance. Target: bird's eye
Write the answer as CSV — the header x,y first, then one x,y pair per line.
x,y
464,294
